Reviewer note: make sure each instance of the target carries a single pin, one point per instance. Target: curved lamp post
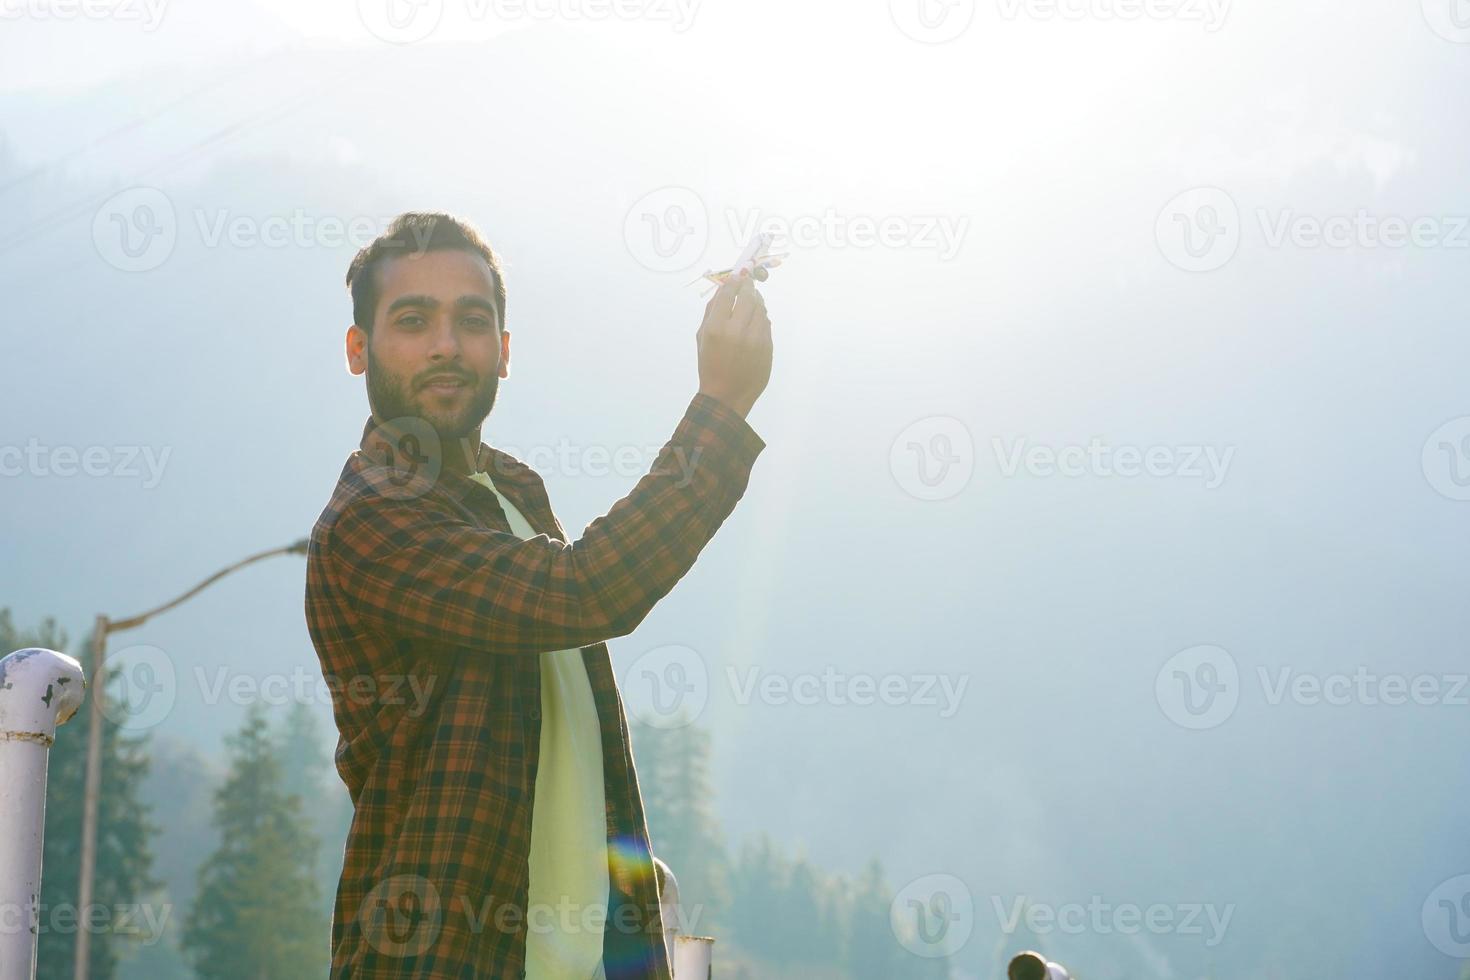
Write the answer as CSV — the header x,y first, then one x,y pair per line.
x,y
105,627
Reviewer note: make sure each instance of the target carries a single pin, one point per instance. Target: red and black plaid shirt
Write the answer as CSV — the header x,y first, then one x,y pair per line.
x,y
427,614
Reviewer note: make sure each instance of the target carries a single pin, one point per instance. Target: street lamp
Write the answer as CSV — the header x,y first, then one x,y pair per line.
x,y
100,632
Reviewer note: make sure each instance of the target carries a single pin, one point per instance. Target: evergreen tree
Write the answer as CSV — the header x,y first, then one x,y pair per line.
x,y
674,777
122,883
802,932
759,878
310,774
258,914
873,952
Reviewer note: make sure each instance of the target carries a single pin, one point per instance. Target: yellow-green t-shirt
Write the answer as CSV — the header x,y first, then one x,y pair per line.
x,y
567,902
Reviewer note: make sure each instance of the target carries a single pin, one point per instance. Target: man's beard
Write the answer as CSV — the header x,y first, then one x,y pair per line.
x,y
392,397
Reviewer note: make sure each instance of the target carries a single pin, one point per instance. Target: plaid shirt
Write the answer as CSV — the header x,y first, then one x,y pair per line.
x,y
427,614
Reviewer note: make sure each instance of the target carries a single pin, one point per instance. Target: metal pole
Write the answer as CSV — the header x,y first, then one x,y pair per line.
x,y
94,739
83,948
39,690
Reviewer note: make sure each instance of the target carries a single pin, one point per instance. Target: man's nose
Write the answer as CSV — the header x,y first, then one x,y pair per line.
x,y
445,342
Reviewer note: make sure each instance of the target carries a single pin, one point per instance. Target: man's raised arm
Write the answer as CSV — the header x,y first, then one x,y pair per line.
x,y
414,569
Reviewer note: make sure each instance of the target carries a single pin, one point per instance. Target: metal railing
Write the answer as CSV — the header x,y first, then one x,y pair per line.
x,y
39,690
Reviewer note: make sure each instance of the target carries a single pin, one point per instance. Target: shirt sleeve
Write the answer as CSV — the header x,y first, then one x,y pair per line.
x,y
414,568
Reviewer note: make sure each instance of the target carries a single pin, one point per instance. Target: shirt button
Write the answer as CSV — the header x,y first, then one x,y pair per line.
x,y
535,713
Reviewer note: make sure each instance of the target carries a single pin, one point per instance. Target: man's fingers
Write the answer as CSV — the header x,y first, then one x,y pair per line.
x,y
721,303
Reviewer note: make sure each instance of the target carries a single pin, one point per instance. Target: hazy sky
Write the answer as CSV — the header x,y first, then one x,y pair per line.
x,y
1118,428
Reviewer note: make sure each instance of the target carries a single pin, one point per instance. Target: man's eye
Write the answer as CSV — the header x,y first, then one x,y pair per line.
x,y
477,322
412,320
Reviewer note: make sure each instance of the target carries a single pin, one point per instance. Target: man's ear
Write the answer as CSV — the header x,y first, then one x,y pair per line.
x,y
357,341
505,353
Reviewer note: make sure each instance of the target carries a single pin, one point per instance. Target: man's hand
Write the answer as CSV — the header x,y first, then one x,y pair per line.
x,y
734,343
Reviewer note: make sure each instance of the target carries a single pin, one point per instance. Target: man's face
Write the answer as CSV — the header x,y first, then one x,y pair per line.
x,y
436,351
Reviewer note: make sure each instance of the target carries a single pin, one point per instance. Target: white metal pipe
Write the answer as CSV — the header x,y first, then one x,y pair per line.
x,y
39,690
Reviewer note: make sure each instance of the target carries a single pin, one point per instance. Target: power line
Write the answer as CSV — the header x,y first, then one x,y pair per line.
x,y
141,121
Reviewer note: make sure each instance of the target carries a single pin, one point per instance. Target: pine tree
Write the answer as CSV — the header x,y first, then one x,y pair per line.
x,y
674,777
122,880
759,878
310,775
258,915
873,952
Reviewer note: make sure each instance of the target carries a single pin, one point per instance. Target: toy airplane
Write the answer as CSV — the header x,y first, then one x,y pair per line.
x,y
756,258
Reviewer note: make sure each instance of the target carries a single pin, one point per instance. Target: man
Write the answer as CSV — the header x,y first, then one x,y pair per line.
x,y
498,829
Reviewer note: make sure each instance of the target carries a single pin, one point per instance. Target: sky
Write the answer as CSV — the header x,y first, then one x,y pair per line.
x,y
1107,549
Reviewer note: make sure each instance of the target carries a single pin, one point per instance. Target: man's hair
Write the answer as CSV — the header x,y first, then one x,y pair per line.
x,y
416,232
